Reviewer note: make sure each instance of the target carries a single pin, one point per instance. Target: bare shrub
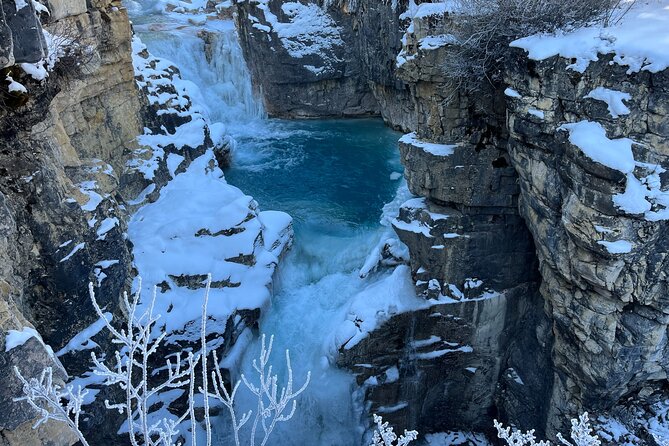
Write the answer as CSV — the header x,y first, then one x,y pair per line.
x,y
485,28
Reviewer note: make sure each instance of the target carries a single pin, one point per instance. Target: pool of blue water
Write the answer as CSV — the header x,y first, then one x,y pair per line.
x,y
332,173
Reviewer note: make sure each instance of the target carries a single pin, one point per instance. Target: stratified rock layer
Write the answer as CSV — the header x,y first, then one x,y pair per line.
x,y
509,209
609,308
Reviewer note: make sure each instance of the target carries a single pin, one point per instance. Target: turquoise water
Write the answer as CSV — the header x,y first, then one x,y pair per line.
x,y
333,177
333,173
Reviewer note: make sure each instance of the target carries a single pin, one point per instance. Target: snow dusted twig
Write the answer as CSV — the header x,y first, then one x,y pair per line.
x,y
47,399
384,435
133,372
271,402
517,438
581,435
205,380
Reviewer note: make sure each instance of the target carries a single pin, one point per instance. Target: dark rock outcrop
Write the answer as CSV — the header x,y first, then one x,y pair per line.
x,y
317,62
609,308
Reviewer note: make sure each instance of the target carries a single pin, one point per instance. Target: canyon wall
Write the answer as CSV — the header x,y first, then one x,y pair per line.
x,y
64,142
608,305
309,62
546,297
94,127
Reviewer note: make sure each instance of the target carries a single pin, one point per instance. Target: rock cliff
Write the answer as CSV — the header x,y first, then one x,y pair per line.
x,y
603,266
545,280
307,61
93,127
64,130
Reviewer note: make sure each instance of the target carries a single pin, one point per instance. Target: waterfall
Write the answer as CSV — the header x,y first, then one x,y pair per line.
x,y
211,59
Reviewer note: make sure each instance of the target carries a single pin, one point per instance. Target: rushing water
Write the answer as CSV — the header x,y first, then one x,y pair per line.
x,y
333,177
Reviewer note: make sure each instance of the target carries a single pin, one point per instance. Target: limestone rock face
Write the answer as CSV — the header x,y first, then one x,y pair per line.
x,y
475,352
89,142
315,61
64,146
22,32
608,306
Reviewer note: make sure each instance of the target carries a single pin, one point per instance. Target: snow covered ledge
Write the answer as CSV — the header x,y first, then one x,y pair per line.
x,y
200,224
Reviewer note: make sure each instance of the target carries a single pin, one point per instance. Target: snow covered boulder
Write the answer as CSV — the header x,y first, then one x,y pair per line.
x,y
176,245
21,346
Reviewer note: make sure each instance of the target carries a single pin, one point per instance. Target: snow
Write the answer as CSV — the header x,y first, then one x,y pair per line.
x,y
153,75
16,338
15,86
20,4
614,100
40,7
617,247
106,263
315,70
639,41
472,283
513,374
537,113
434,42
439,353
389,241
143,194
425,342
375,304
174,160
591,138
82,340
392,375
602,229
437,8
642,196
390,409
414,226
106,225
73,252
88,188
510,92
432,148
310,31
456,438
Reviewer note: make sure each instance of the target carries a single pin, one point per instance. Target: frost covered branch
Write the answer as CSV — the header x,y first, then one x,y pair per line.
x,y
384,434
581,435
272,402
134,372
52,402
133,369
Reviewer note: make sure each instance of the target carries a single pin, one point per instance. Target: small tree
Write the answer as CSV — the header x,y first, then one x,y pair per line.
x,y
132,372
